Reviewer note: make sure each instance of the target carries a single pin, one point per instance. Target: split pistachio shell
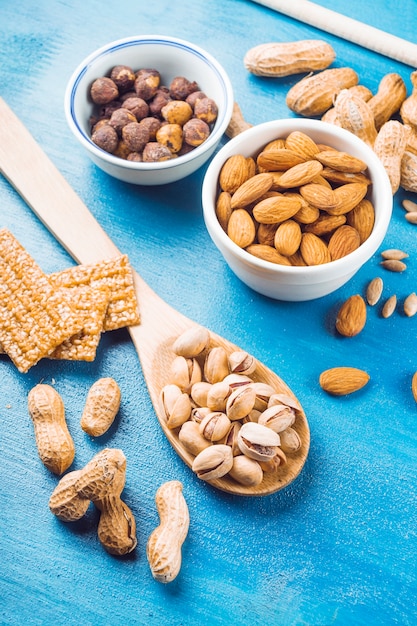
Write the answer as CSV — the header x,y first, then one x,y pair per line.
x,y
263,393
246,471
290,440
217,396
231,437
192,439
213,462
240,402
192,342
185,373
278,417
215,426
199,413
240,362
258,442
199,392
237,380
282,398
273,464
216,366
176,405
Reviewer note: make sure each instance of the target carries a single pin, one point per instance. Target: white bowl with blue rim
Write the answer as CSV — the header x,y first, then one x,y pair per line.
x,y
171,57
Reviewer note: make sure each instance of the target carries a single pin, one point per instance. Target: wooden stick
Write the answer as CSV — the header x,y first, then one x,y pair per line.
x,y
347,28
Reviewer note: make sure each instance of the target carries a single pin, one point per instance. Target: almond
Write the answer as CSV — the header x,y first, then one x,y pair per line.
x,y
302,144
325,224
394,253
223,208
300,174
414,386
251,190
344,240
241,228
389,306
351,317
287,238
234,173
275,209
348,196
362,217
341,161
267,253
314,250
278,160
340,381
410,305
394,265
374,290
319,196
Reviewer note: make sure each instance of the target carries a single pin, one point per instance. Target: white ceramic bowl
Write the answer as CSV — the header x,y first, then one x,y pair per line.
x,y
171,57
286,282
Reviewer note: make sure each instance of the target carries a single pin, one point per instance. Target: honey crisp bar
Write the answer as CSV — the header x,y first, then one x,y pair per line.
x,y
35,317
114,274
91,306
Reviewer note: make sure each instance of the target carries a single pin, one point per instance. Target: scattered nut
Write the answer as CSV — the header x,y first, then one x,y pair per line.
x,y
389,306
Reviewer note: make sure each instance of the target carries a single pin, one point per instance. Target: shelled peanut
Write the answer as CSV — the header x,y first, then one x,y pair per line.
x,y
296,202
228,421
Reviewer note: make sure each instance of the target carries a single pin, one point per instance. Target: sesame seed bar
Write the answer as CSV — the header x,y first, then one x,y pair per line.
x,y
35,317
114,274
91,306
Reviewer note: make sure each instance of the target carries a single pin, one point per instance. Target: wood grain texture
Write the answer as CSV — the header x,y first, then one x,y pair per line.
x,y
335,547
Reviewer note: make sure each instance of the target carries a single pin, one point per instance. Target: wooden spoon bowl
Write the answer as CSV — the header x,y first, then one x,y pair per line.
x,y
45,190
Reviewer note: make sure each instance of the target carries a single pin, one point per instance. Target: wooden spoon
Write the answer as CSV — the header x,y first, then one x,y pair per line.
x,y
41,185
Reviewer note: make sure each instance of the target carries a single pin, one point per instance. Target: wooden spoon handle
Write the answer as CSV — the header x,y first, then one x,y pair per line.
x,y
45,190
347,28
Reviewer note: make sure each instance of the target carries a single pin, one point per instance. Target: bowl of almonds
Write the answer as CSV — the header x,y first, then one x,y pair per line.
x,y
149,109
296,207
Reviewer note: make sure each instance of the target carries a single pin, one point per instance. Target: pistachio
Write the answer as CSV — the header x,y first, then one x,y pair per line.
x,y
246,471
257,441
240,362
253,416
215,426
283,398
273,464
199,392
217,396
231,438
185,372
290,440
216,366
278,417
175,404
237,380
198,413
192,342
192,439
240,402
263,393
213,462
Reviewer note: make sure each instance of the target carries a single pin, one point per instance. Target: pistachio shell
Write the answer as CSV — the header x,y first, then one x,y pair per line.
x,y
257,441
290,440
213,462
240,402
192,439
215,426
192,342
185,372
246,471
176,405
278,417
216,366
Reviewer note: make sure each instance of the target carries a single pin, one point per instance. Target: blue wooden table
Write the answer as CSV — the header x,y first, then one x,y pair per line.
x,y
339,545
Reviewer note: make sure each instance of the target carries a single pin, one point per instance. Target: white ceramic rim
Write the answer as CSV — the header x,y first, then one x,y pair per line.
x,y
218,130
305,273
